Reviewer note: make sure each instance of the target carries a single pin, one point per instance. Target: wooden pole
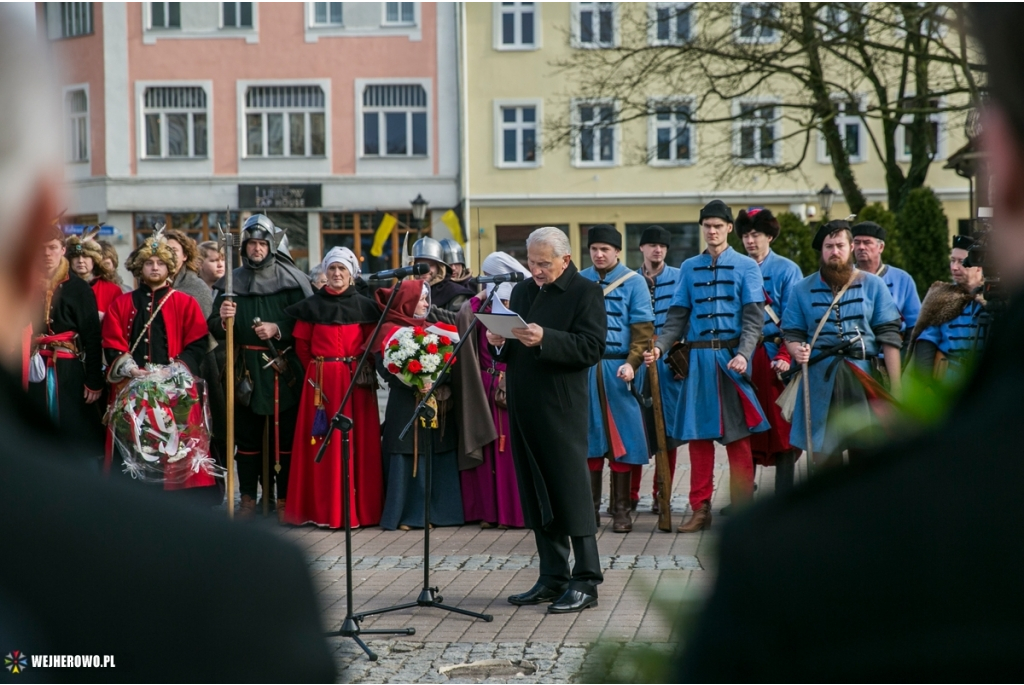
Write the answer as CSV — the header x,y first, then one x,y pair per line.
x,y
661,456
229,372
808,429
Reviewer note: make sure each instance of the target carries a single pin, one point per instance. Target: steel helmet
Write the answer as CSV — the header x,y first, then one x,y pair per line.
x,y
428,248
453,253
260,227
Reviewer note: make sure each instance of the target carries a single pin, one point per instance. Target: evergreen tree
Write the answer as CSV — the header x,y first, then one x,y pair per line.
x,y
924,230
794,242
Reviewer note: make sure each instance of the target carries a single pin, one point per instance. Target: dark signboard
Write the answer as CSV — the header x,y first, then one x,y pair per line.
x,y
277,196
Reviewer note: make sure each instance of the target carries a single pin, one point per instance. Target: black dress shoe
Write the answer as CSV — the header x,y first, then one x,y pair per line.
x,y
573,601
538,594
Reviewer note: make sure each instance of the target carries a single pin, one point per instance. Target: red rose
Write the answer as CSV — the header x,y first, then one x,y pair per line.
x,y
418,330
414,366
447,356
445,340
394,345
393,368
432,348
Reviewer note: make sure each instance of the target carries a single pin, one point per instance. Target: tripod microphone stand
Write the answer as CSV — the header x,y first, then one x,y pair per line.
x,y
428,596
350,626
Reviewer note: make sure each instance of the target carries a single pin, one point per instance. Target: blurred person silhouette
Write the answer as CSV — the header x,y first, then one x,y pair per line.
x,y
904,566
93,566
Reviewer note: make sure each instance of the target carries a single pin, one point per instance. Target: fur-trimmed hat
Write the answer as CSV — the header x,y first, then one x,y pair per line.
x,y
757,220
85,245
154,246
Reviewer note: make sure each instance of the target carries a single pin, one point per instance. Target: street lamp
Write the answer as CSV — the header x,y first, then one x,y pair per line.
x,y
825,197
419,212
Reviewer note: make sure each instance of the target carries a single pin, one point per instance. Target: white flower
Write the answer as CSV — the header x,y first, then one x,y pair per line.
x,y
430,362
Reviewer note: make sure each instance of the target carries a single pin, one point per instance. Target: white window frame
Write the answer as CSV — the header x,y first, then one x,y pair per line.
x,y
141,88
500,126
652,22
942,137
314,24
737,18
577,148
652,131
67,10
361,85
244,111
167,15
238,16
843,22
577,9
518,10
401,22
738,126
841,121
70,119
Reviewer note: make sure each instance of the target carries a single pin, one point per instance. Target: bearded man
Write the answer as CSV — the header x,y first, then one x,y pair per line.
x,y
833,306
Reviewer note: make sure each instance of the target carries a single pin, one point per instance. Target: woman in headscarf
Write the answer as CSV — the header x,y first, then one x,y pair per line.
x,y
332,328
489,487
404,497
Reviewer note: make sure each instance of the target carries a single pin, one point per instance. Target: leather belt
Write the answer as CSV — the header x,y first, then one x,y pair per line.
x,y
714,344
347,360
616,355
256,348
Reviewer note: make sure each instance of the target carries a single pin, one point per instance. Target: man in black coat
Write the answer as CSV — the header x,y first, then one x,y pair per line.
x,y
548,398
905,567
93,566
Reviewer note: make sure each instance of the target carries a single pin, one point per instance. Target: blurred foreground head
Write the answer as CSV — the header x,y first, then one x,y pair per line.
x,y
996,26
30,170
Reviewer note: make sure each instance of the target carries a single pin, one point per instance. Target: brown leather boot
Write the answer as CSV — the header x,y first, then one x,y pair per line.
x,y
699,520
280,512
247,510
595,491
622,522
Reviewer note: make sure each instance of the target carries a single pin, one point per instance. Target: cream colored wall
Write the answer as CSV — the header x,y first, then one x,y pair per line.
x,y
625,189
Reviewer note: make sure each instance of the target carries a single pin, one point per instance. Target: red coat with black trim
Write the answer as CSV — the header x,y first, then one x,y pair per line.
x,y
178,332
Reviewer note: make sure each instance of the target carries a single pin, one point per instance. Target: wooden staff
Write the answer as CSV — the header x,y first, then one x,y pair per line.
x,y
808,426
663,474
229,373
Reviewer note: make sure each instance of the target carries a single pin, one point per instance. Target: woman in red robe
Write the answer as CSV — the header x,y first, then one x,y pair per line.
x,y
331,331
85,257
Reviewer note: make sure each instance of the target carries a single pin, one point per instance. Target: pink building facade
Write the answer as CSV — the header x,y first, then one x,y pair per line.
x,y
323,115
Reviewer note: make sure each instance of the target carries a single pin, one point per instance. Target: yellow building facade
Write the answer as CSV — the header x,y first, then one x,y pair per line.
x,y
513,91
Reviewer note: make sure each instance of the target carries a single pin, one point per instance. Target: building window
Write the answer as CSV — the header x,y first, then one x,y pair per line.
x,y
175,122
327,14
356,230
672,133
755,22
77,103
75,19
401,13
285,121
595,25
518,135
757,133
847,115
165,15
595,143
936,142
671,23
238,15
518,22
394,121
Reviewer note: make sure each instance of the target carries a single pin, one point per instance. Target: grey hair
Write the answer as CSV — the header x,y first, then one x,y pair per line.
x,y
553,237
315,273
30,123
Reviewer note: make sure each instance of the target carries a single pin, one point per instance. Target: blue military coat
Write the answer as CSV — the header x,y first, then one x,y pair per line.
x,y
865,305
715,292
673,391
959,338
904,294
779,275
628,304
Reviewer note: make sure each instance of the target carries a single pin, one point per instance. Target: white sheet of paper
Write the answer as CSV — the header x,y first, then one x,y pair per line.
x,y
498,308
501,324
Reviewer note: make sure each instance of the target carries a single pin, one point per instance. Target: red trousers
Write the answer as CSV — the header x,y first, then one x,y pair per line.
x,y
702,471
597,464
638,469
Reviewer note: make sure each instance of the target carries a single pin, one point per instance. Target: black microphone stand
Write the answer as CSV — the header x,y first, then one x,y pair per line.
x,y
350,626
428,596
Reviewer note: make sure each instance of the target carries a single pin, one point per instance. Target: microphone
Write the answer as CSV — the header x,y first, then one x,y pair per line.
x,y
513,277
414,270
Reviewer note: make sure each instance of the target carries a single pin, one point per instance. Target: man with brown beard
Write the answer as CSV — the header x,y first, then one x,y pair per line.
x,y
827,308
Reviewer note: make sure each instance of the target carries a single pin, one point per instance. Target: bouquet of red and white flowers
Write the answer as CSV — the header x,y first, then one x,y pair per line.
x,y
416,354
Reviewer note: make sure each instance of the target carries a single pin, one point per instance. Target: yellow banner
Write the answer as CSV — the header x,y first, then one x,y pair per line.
x,y
387,224
451,220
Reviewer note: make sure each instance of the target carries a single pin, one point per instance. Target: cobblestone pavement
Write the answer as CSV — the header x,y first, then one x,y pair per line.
x,y
651,578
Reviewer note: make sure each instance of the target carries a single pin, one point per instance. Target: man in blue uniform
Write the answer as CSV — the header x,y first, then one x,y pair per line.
x,y
616,424
953,324
718,309
661,283
834,305
758,228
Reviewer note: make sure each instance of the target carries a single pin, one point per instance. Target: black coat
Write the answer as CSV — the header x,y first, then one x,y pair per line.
x,y
96,566
905,567
548,399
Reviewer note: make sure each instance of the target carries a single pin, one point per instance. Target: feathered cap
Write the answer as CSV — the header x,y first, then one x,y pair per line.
x,y
154,246
757,220
84,245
